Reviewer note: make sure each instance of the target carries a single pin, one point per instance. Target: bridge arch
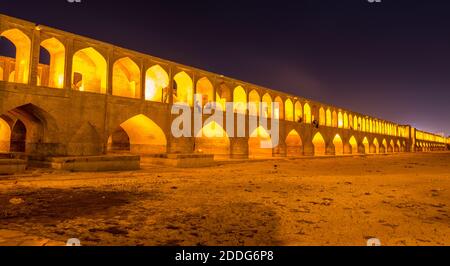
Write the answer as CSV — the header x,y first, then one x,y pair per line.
x,y
5,135
294,144
322,117
353,145
206,89
298,111
334,119
366,145
307,113
266,111
338,145
213,139
89,71
254,143
375,147
57,53
319,144
279,111
289,110
183,89
328,118
138,134
126,78
156,84
22,44
383,146
254,99
239,100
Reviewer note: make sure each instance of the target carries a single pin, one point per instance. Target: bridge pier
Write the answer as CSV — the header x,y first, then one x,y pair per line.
x,y
239,148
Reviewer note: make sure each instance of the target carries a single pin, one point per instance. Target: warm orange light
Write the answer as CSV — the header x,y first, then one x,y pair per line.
x,y
156,80
23,51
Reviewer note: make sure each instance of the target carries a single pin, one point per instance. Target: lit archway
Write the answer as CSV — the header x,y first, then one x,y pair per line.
x,y
213,140
89,71
156,84
322,118
183,91
206,89
126,78
239,100
329,120
289,106
254,101
23,54
279,111
5,136
383,146
340,120
307,113
338,145
144,135
366,145
57,54
1,73
345,120
319,144
354,145
334,121
255,140
294,144
298,112
267,109
375,147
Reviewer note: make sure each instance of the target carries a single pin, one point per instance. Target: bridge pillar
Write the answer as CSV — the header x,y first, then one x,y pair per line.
x,y
239,148
308,149
330,149
181,145
347,148
361,148
280,150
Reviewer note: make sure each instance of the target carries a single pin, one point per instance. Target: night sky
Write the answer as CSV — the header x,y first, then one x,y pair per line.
x,y
389,59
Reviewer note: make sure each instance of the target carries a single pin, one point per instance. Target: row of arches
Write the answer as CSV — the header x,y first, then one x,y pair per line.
x,y
89,72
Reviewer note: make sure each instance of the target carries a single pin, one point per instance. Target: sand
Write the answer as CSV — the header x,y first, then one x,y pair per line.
x,y
401,199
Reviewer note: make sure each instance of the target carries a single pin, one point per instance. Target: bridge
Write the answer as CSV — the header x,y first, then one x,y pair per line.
x,y
93,98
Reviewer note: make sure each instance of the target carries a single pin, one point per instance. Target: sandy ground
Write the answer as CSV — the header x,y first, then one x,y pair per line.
x,y
402,199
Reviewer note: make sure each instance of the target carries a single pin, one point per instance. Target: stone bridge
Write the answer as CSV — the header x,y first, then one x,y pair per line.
x,y
62,94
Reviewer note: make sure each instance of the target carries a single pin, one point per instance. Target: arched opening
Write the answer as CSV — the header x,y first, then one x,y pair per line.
x,y
18,137
183,89
267,109
340,120
213,140
363,125
298,112
1,71
239,100
54,72
33,130
375,147
279,111
5,136
322,119
254,99
156,84
354,145
397,147
289,106
319,144
126,78
89,71
143,135
359,124
338,145
255,140
294,144
206,89
366,145
334,121
345,120
22,43
383,146
355,122
391,146
307,113
350,121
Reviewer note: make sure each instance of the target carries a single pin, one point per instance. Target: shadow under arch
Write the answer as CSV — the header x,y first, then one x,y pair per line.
x,y
33,130
213,139
138,134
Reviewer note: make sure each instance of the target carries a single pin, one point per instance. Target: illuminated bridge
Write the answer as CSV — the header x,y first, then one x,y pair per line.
x,y
94,98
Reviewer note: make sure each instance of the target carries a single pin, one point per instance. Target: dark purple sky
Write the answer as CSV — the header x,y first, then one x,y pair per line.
x,y
389,59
